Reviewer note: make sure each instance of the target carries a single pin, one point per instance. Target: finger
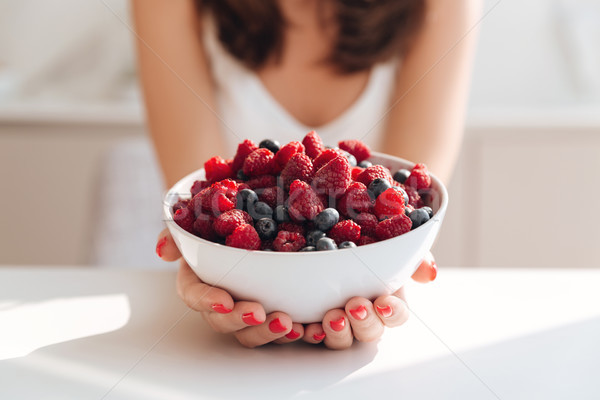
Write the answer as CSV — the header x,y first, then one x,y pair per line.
x,y
296,333
276,326
427,271
166,248
338,334
313,333
392,309
366,325
244,314
198,295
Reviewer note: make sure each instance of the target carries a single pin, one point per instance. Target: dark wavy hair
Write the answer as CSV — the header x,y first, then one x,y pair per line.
x,y
369,31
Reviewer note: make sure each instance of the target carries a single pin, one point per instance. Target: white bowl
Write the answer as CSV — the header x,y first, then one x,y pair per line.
x,y
305,285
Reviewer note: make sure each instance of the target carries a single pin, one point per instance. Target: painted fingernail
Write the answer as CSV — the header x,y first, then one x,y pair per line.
x,y
293,335
338,325
275,326
220,308
433,273
385,312
160,245
319,336
359,312
249,319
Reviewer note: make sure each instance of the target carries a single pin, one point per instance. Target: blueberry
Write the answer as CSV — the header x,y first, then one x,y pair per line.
x,y
351,159
418,217
401,175
326,219
406,211
241,175
260,210
326,243
378,186
429,211
346,245
244,198
365,164
308,248
398,188
313,237
281,214
270,144
266,228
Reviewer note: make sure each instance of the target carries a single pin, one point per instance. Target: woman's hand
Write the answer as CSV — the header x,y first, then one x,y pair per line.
x,y
361,319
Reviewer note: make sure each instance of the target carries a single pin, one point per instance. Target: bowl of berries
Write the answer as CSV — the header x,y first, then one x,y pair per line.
x,y
302,228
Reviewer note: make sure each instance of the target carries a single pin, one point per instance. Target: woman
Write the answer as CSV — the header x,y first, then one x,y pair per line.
x,y
314,62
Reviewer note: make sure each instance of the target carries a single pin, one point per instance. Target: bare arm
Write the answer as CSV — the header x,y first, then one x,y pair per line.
x,y
177,86
427,122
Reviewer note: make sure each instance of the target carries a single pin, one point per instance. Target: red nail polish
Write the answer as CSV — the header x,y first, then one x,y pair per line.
x,y
384,311
220,308
160,245
292,335
275,326
319,336
249,319
359,312
433,271
338,325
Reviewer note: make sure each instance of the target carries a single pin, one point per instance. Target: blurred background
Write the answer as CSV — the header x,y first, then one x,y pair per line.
x,y
80,185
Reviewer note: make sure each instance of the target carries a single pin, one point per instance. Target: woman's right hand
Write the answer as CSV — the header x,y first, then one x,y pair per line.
x,y
245,319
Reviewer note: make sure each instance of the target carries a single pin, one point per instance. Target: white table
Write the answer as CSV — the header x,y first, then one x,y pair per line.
x,y
474,334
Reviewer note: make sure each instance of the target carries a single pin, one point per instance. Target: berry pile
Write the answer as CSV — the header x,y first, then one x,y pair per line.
x,y
303,197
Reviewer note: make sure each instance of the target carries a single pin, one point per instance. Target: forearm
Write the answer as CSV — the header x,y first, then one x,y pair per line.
x,y
178,93
426,123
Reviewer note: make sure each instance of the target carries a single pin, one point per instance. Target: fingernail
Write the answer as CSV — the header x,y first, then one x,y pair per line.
x,y
433,273
319,336
275,326
338,325
220,308
359,312
160,245
249,319
292,335
384,311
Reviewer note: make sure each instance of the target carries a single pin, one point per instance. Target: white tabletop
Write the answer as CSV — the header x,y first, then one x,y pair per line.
x,y
474,334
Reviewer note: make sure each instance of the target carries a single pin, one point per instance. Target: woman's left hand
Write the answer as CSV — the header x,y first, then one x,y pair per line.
x,y
362,319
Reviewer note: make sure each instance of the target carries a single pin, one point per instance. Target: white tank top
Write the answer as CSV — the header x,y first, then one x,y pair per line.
x,y
247,110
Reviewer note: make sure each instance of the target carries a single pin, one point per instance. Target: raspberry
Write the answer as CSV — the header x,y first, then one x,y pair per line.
x,y
218,198
286,152
376,171
303,202
180,204
216,169
243,150
313,144
273,196
358,149
368,222
389,203
356,171
198,186
414,199
347,230
262,181
203,227
288,241
291,227
393,227
355,200
326,156
226,223
266,245
259,162
419,177
184,218
333,178
299,167
244,237
364,239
